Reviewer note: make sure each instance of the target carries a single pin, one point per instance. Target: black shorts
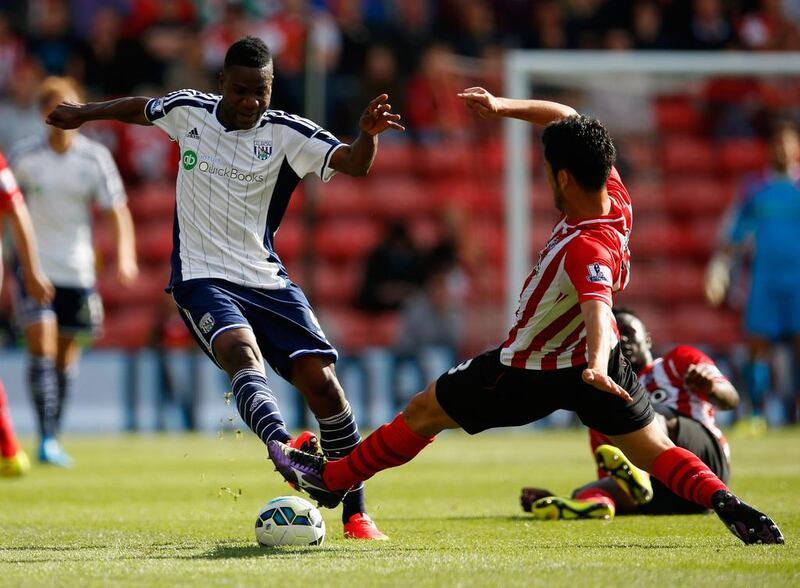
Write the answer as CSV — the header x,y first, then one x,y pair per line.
x,y
693,436
483,393
75,310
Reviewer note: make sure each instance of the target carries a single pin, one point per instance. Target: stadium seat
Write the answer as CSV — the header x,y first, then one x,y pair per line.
x,y
696,195
738,156
685,153
289,240
699,324
393,158
647,195
129,329
344,239
395,197
152,201
352,330
154,241
336,284
445,160
677,114
148,288
479,198
344,196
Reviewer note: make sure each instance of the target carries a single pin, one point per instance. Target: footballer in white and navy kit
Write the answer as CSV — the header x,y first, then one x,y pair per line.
x,y
239,164
233,188
62,175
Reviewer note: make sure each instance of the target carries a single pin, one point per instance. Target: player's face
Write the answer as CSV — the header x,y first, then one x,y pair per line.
x,y
786,149
246,92
634,342
558,193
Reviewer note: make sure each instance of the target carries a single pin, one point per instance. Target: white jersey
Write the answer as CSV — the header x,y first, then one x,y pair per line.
x,y
59,189
234,186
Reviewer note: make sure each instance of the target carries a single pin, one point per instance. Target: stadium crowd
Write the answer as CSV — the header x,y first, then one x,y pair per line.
x,y
121,47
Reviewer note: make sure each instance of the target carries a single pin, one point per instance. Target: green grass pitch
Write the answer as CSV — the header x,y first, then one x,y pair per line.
x,y
179,511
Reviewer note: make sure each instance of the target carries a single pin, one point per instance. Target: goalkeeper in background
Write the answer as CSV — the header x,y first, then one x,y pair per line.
x,y
766,219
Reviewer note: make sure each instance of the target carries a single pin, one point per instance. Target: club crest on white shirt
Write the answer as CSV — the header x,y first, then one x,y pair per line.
x,y
262,149
599,274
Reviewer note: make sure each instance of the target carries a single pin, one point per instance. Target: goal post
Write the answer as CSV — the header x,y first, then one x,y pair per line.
x,y
522,68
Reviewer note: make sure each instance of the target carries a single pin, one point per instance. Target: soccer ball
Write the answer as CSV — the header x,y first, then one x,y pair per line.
x,y
290,520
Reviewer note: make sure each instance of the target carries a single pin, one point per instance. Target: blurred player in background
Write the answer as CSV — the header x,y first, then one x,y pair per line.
x,y
240,163
684,387
61,175
767,218
563,351
13,460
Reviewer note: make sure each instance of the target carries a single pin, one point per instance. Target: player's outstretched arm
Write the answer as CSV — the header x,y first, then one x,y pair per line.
x,y
598,319
71,115
356,159
703,378
36,283
538,112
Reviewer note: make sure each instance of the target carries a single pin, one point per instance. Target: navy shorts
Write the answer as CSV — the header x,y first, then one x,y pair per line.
x,y
484,393
281,320
76,310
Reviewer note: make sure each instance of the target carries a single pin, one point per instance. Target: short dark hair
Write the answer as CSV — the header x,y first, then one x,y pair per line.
x,y
248,52
582,146
620,310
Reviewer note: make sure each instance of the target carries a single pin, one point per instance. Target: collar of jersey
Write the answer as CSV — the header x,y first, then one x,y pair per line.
x,y
591,220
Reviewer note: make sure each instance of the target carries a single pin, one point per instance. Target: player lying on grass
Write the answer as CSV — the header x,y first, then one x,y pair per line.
x,y
240,163
684,387
563,351
13,460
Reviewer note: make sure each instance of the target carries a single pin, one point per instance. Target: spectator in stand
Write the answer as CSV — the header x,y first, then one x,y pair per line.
x,y
110,55
233,25
548,30
297,27
189,70
477,33
52,43
647,27
19,111
379,75
410,29
12,52
768,28
768,218
433,113
710,27
392,271
432,316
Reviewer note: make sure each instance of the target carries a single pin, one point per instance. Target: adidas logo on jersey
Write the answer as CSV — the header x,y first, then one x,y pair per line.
x,y
193,134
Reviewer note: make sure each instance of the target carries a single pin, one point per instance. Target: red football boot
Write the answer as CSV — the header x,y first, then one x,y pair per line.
x,y
361,526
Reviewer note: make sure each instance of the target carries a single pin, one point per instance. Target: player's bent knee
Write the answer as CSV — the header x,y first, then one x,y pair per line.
x,y
424,415
238,354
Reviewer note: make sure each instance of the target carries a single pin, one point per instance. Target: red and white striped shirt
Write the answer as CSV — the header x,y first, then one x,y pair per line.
x,y
9,196
584,259
664,380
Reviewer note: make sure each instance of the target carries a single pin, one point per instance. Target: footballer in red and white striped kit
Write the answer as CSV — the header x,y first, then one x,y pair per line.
x,y
562,353
684,387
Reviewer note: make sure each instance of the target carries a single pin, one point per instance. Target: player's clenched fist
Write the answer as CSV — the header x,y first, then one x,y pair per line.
x,y
481,101
378,116
66,115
